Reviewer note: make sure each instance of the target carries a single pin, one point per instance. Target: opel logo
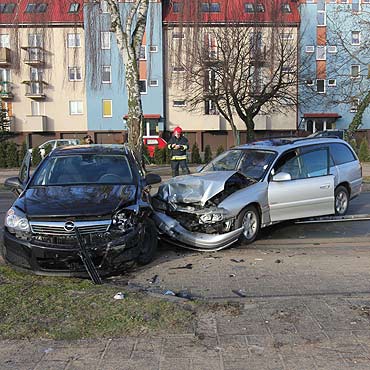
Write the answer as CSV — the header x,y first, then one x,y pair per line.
x,y
69,226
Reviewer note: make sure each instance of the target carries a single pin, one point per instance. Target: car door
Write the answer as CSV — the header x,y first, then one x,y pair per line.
x,y
301,185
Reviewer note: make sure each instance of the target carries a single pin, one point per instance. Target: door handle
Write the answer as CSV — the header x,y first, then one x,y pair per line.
x,y
325,186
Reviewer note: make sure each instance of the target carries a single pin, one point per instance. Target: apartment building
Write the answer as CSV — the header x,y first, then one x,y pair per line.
x,y
264,21
106,93
335,63
42,68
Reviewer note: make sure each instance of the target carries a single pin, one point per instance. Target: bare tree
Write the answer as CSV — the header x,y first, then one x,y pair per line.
x,y
241,69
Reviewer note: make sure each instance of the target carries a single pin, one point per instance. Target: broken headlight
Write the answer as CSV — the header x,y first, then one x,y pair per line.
x,y
209,218
124,221
16,220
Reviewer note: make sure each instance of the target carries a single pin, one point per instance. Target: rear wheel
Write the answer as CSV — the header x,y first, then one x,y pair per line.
x,y
149,243
341,200
249,219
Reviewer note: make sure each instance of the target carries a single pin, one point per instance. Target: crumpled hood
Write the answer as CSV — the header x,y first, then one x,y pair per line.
x,y
76,200
194,188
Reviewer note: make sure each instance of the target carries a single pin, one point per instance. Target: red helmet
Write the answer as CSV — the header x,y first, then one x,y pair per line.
x,y
177,129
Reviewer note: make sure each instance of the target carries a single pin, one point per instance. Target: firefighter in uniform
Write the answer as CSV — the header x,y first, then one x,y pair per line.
x,y
178,145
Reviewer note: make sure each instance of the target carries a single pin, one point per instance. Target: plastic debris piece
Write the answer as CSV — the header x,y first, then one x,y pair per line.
x,y
184,295
278,261
232,275
169,292
48,350
258,259
237,260
154,280
119,295
189,266
240,293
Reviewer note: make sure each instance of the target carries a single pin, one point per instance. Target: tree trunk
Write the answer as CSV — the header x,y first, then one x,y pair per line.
x,y
357,119
249,123
235,133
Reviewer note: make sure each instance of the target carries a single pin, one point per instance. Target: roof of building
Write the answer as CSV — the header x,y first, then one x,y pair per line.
x,y
25,12
222,11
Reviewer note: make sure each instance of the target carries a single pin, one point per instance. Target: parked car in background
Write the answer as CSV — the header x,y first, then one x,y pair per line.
x,y
256,185
56,143
153,142
90,199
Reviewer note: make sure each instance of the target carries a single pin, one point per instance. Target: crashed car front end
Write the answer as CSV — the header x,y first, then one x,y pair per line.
x,y
195,212
49,246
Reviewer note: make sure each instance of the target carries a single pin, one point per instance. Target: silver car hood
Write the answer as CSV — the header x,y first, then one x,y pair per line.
x,y
194,188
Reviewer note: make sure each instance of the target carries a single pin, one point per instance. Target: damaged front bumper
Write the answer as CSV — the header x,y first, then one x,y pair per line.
x,y
109,257
172,231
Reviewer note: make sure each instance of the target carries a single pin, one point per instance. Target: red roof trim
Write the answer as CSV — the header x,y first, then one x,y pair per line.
x,y
149,116
321,115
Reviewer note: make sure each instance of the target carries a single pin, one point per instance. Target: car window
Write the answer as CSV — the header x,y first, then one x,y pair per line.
x,y
62,142
84,169
227,161
341,153
51,143
254,163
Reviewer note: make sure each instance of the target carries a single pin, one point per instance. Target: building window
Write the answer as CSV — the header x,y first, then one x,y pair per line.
x,y
176,7
332,49
321,5
35,40
321,53
35,108
320,86
179,103
36,74
107,108
285,8
74,8
178,69
153,83
75,107
310,49
7,8
74,74
332,82
309,82
287,36
4,40
355,70
143,87
106,74
153,49
74,40
321,18
210,7
4,75
142,52
355,102
249,8
104,6
36,8
356,38
210,107
356,7
105,40
178,35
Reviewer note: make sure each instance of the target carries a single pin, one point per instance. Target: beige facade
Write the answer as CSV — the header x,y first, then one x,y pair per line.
x,y
44,71
195,121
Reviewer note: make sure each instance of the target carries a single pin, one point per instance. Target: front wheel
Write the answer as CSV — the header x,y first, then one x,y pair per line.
x,y
249,219
149,243
341,200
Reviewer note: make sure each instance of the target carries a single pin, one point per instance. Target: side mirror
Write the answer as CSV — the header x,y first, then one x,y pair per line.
x,y
282,176
152,178
13,183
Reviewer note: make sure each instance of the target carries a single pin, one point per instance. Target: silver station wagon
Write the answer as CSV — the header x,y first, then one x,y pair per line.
x,y
256,185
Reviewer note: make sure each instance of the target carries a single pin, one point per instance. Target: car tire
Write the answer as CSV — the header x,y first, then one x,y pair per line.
x,y
149,243
341,200
250,219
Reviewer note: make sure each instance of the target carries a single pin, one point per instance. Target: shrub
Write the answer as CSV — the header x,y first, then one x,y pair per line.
x,y
195,156
207,154
159,156
3,146
48,149
22,152
167,155
353,144
11,155
36,156
220,150
363,152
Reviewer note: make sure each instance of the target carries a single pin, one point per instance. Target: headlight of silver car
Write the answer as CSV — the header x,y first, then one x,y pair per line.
x,y
16,220
212,217
124,221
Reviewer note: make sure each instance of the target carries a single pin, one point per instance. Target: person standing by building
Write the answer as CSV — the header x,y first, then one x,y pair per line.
x,y
178,145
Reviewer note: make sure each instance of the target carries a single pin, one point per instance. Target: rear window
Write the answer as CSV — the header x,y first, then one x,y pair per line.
x,y
341,153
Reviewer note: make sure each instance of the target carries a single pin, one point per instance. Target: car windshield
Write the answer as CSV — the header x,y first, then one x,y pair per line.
x,y
84,169
251,162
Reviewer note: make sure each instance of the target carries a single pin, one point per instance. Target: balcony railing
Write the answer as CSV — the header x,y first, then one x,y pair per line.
x,y
6,90
5,57
35,89
35,55
8,124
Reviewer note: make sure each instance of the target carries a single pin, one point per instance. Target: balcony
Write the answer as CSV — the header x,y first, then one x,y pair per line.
x,y
5,57
35,89
6,90
35,55
36,123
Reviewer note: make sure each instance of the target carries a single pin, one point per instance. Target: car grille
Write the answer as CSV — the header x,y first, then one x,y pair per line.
x,y
58,227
